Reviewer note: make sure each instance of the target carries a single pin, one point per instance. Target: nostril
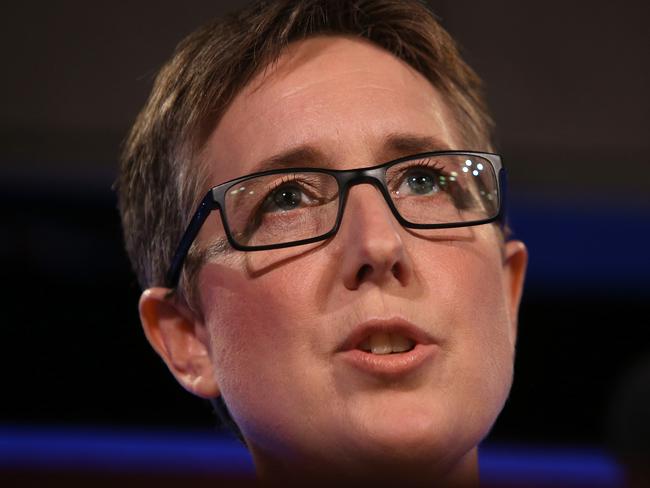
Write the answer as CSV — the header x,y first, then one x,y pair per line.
x,y
397,271
366,271
363,272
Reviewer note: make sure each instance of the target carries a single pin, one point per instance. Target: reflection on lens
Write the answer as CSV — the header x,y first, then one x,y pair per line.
x,y
462,194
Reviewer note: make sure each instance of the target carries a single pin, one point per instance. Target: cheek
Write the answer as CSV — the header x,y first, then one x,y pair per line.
x,y
241,315
259,338
478,333
473,283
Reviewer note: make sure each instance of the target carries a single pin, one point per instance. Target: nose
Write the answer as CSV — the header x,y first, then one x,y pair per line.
x,y
372,241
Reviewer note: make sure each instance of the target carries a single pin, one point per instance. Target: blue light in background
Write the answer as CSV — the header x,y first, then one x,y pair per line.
x,y
121,450
559,466
191,453
585,246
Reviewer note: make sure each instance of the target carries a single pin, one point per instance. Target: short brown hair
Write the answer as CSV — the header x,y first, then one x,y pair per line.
x,y
160,175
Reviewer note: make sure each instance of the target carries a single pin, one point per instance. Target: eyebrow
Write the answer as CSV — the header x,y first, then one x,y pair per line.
x,y
399,145
306,155
395,145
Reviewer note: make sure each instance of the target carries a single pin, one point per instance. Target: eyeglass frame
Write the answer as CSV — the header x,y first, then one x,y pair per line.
x,y
345,178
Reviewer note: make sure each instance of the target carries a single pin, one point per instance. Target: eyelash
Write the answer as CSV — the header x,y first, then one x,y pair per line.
x,y
426,163
283,181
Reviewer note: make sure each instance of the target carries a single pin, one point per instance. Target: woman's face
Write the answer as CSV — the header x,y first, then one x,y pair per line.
x,y
288,329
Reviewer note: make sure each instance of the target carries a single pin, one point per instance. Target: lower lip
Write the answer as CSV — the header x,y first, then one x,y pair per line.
x,y
391,365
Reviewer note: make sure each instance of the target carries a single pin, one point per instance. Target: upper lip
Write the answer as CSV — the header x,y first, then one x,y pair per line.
x,y
396,325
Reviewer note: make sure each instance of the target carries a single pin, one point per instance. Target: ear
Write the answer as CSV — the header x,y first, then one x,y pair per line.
x,y
180,339
514,264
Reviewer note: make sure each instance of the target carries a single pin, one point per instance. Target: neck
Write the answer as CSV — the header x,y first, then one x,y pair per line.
x,y
463,474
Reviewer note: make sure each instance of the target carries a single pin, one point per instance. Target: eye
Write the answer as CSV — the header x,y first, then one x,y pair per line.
x,y
420,181
286,197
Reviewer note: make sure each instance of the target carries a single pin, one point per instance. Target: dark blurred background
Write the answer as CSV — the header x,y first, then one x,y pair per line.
x,y
568,85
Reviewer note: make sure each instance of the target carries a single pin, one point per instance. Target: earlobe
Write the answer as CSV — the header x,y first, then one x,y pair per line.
x,y
515,263
180,339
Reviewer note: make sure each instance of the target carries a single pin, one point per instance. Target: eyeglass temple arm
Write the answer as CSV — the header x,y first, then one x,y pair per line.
x,y
502,218
174,273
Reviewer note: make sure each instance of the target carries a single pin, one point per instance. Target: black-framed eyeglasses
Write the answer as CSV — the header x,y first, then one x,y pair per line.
x,y
291,207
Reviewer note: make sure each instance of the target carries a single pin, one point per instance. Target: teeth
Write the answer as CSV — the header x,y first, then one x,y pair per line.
x,y
384,343
380,343
400,343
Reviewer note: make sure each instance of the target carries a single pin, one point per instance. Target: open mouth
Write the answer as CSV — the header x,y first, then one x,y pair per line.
x,y
388,348
386,343
383,337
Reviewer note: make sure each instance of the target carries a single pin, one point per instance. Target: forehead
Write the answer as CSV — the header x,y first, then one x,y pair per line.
x,y
341,98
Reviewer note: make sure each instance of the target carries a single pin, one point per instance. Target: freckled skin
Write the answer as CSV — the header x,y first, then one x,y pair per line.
x,y
275,319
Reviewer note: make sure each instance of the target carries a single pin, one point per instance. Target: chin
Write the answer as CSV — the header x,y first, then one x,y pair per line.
x,y
387,442
394,455
415,436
